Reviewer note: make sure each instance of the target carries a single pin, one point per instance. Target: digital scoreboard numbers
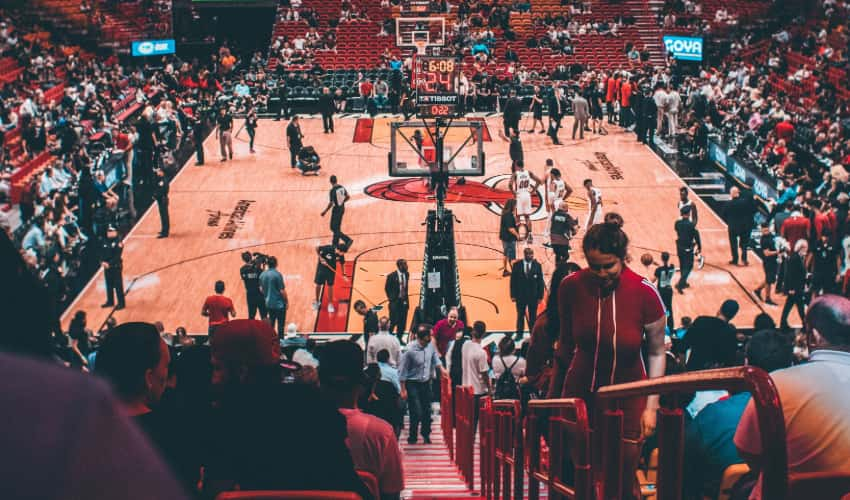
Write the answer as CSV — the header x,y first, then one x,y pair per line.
x,y
436,85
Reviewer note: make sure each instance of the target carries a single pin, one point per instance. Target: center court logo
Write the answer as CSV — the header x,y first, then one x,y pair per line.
x,y
491,194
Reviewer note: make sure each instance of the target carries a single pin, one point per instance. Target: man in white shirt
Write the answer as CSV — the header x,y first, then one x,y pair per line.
x,y
476,370
815,400
383,340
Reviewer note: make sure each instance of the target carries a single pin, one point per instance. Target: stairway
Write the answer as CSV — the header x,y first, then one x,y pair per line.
x,y
428,471
646,20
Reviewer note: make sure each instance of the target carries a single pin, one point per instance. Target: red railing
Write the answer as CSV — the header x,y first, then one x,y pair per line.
x,y
670,427
447,412
568,432
465,433
511,445
505,450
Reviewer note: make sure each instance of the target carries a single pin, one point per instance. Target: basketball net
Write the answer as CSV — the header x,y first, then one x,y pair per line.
x,y
421,46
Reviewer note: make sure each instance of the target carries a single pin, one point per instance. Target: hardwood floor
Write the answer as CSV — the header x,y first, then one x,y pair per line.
x,y
258,203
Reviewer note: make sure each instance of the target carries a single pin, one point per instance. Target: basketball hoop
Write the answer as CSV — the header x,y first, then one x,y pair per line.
x,y
421,46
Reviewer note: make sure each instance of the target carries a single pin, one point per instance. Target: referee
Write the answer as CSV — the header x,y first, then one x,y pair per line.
x,y
338,197
687,240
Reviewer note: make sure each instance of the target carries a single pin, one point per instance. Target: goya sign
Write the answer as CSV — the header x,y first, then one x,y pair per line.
x,y
684,47
153,47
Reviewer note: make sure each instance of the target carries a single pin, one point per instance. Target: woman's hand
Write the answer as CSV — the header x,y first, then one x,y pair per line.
x,y
647,422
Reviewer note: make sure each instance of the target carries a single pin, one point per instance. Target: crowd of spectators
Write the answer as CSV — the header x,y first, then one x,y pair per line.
x,y
104,135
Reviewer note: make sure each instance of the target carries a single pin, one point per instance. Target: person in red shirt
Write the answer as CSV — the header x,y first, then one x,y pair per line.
x,y
446,330
795,228
611,89
218,308
625,103
785,130
606,310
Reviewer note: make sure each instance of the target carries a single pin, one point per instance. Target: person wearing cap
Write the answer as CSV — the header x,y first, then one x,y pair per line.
x,y
687,244
815,400
371,440
112,263
265,434
160,195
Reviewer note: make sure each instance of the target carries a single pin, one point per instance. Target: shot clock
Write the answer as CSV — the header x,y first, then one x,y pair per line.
x,y
435,80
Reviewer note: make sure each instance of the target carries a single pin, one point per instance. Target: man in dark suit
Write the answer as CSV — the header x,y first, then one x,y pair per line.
x,y
370,321
739,215
327,108
397,296
293,138
526,289
556,112
512,113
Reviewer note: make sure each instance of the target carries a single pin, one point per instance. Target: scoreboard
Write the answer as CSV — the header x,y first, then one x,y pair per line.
x,y
435,80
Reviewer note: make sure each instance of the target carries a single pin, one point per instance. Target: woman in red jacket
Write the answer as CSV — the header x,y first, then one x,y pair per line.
x,y
605,311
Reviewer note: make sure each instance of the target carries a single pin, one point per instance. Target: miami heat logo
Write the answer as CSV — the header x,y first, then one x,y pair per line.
x,y
492,194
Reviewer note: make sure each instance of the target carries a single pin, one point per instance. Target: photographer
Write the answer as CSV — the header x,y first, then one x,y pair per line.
x,y
250,273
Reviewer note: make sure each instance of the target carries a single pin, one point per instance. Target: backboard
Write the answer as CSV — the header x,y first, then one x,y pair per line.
x,y
413,148
420,32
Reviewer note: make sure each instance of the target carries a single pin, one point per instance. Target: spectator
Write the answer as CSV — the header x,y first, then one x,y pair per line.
x,y
416,370
383,341
251,400
218,308
709,446
371,440
446,331
135,360
815,403
476,370
507,360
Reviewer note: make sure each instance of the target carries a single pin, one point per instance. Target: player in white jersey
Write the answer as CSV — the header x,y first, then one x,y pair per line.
x,y
522,184
685,202
594,200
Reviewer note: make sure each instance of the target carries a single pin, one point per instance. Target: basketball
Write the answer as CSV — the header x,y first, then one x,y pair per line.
x,y
646,259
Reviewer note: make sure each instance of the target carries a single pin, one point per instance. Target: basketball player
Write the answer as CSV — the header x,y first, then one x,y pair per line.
x,y
594,199
685,202
521,184
326,274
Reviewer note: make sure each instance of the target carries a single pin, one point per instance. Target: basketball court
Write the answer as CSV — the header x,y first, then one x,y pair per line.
x,y
259,204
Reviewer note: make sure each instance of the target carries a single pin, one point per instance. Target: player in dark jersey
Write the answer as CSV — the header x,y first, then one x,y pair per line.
x,y
326,274
250,273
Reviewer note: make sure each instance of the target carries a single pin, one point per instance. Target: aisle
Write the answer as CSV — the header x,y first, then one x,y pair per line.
x,y
428,471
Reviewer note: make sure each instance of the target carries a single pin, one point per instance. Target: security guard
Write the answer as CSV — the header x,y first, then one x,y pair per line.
x,y
563,229
250,273
112,263
160,195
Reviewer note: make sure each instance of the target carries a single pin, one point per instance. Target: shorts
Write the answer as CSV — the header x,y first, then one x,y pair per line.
x,y
523,204
324,276
770,268
509,249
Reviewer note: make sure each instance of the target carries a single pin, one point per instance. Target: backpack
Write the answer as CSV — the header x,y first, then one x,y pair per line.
x,y
456,373
506,385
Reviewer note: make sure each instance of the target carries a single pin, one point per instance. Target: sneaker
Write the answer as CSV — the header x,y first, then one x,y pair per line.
x,y
331,308
411,440
770,302
316,305
426,440
505,274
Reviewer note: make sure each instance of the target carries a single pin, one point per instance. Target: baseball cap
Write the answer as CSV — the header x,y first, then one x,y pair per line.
x,y
245,341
